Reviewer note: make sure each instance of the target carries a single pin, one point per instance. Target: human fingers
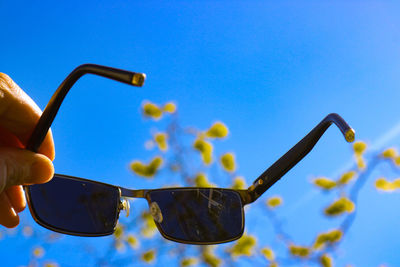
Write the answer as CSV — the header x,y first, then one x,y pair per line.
x,y
9,218
16,197
23,167
19,115
12,201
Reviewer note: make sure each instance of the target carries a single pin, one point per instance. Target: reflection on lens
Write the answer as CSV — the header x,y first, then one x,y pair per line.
x,y
199,215
156,212
80,207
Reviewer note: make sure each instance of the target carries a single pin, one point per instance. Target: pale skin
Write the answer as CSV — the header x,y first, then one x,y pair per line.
x,y
18,117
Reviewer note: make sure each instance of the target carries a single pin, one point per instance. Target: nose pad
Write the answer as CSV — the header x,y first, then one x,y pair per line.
x,y
156,212
125,206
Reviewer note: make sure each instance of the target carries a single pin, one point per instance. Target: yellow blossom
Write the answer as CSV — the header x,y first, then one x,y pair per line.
x,y
347,177
396,183
149,256
149,170
228,162
385,185
326,260
360,162
268,253
161,141
239,183
149,228
389,153
244,246
274,202
201,180
151,110
327,238
169,107
119,231
359,147
38,252
299,251
205,148
210,258
217,130
340,206
324,183
189,262
132,241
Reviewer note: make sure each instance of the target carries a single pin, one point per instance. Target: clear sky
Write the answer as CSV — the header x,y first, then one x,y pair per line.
x,y
270,71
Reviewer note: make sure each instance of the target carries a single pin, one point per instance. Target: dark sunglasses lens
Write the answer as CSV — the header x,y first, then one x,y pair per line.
x,y
75,206
198,215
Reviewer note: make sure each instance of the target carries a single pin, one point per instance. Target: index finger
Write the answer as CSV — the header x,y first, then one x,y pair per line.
x,y
19,115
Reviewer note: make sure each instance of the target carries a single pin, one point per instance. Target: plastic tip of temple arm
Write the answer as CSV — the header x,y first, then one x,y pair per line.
x,y
348,132
138,79
350,135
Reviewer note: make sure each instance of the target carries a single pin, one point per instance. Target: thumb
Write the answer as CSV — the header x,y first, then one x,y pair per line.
x,y
23,167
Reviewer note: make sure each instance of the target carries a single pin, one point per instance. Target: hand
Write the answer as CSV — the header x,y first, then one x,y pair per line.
x,y
18,117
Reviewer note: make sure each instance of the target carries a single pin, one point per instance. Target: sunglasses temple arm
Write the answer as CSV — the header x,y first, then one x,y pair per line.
x,y
295,154
49,113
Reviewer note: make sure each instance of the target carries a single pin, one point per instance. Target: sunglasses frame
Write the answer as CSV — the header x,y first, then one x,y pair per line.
x,y
131,193
41,222
259,186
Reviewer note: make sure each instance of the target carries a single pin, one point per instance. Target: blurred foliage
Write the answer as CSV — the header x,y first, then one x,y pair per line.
x,y
327,238
209,257
185,157
359,147
205,148
346,177
388,186
147,170
228,162
189,262
389,153
326,260
161,141
201,180
38,252
239,183
149,256
245,246
155,112
299,251
268,253
217,130
274,202
325,183
340,206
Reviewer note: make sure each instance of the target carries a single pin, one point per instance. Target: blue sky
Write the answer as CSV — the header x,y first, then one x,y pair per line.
x,y
270,71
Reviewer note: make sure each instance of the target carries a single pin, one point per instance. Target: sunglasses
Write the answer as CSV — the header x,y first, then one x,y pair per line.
x,y
190,215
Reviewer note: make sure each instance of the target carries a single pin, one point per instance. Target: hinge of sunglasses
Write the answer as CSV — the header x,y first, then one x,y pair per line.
x,y
257,183
124,205
251,193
